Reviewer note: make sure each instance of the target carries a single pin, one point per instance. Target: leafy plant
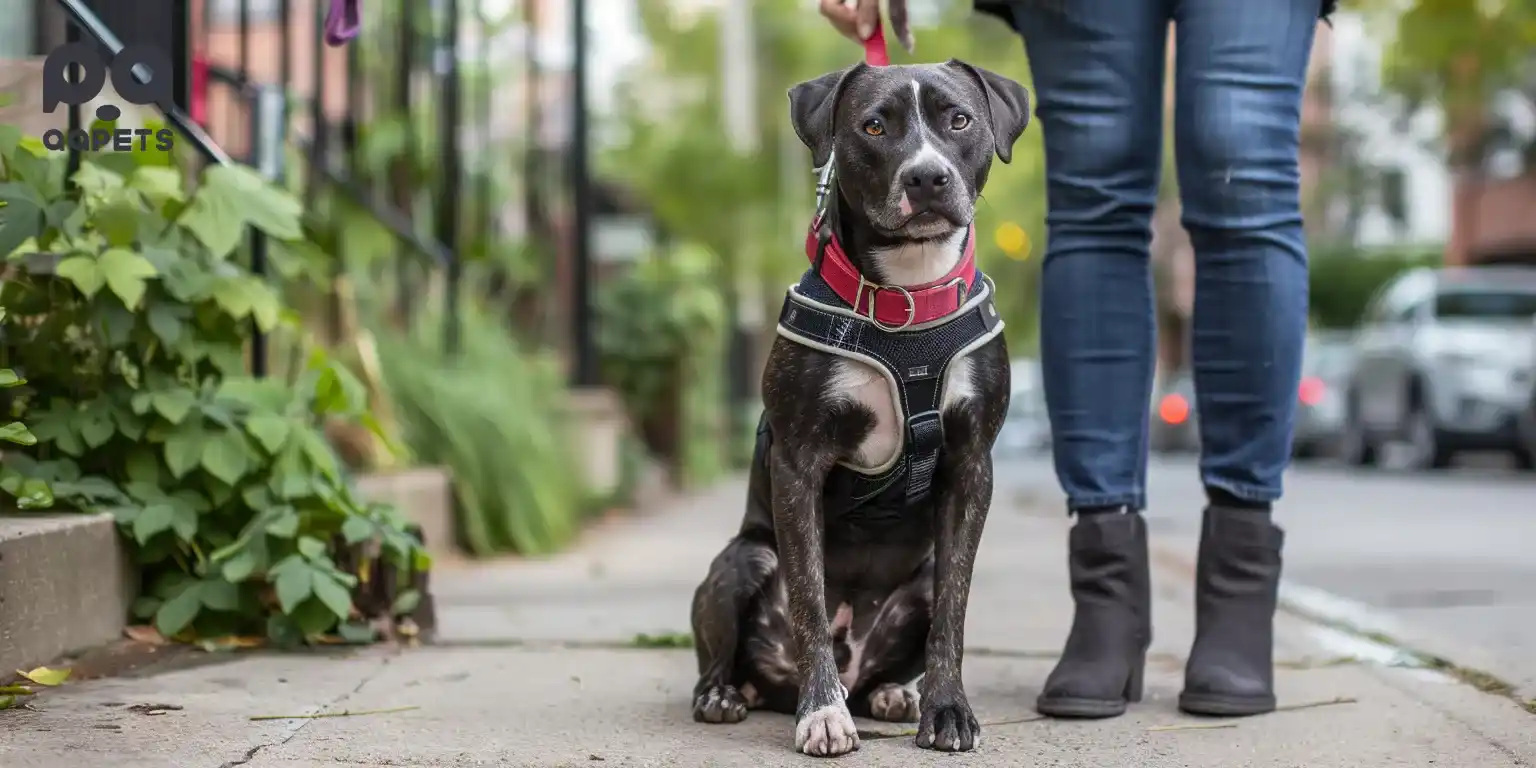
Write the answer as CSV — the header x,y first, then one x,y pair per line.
x,y
661,340
130,319
494,414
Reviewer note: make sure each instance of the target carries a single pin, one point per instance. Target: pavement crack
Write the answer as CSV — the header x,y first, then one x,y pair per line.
x,y
299,725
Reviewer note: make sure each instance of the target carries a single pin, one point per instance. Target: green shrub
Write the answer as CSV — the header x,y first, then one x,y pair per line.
x,y
495,414
662,343
1343,280
130,316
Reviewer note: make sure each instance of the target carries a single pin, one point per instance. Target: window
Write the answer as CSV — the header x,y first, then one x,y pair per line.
x,y
1486,305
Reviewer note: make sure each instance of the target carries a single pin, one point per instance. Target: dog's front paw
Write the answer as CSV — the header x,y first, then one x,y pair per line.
x,y
827,732
894,704
720,704
947,725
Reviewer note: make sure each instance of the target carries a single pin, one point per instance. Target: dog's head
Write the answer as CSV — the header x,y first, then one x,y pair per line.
x,y
913,144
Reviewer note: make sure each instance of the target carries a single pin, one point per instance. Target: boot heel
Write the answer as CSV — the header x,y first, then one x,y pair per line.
x,y
1133,683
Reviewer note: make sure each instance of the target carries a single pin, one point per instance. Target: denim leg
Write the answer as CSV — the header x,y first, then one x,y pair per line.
x,y
1098,77
1241,69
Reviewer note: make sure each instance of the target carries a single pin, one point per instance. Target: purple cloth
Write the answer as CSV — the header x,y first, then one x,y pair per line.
x,y
343,21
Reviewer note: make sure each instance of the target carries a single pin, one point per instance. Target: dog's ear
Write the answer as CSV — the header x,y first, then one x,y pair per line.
x,y
812,108
1007,106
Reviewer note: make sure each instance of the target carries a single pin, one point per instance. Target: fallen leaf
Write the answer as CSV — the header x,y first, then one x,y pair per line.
x,y
144,633
6,702
46,675
15,690
231,642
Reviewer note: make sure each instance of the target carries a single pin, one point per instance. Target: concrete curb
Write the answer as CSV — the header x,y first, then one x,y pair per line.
x,y
65,585
1359,631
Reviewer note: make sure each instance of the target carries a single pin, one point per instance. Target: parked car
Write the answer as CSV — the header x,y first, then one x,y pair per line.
x,y
1445,363
1325,370
1027,428
1173,428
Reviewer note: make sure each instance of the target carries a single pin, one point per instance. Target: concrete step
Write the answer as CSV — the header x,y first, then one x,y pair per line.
x,y
65,585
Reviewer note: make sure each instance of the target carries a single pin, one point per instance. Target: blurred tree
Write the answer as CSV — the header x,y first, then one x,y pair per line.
x,y
752,208
1459,54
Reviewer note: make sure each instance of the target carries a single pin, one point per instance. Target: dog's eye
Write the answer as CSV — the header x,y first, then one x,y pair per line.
x,y
959,122
874,128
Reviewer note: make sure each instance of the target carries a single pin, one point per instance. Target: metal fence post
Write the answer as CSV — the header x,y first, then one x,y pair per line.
x,y
269,126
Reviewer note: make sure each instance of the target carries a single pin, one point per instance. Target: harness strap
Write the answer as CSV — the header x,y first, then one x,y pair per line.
x,y
915,361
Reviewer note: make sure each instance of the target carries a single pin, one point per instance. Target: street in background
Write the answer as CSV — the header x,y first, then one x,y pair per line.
x,y
1027,429
1445,363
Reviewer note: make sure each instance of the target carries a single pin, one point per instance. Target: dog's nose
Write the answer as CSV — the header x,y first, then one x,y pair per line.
x,y
924,182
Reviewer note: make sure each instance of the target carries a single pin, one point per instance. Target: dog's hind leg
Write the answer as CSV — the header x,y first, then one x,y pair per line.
x,y
894,653
720,606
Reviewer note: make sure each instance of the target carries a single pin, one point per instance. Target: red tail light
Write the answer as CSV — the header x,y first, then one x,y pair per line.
x,y
1311,390
1173,409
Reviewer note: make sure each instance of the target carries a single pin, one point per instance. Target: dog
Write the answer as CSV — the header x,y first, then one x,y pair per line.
x,y
843,586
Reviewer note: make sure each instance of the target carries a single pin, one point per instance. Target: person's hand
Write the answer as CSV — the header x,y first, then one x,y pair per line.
x,y
856,19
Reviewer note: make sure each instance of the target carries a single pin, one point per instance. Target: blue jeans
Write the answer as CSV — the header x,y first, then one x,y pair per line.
x,y
1240,69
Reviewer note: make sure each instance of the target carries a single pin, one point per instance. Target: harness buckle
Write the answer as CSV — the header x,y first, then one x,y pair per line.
x,y
874,291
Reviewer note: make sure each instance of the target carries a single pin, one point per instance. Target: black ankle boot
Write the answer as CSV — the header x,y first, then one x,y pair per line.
x,y
1101,667
1231,670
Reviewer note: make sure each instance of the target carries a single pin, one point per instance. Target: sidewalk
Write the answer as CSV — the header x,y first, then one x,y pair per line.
x,y
537,666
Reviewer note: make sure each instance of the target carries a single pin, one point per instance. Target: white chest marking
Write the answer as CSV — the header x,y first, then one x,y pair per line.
x,y
869,387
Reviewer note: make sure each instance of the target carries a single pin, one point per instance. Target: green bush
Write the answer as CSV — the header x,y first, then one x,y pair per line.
x,y
1343,280
662,343
495,414
130,316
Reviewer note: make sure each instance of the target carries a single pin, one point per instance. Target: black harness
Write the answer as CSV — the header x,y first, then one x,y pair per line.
x,y
915,360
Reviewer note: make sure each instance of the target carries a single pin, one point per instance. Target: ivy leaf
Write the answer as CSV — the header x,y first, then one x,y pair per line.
x,y
269,429
214,217
227,457
311,547
96,428
232,296
319,452
126,273
333,594
267,207
165,320
16,432
183,450
159,184
34,493
118,222
180,611
84,272
155,519
8,379
184,521
293,584
219,595
240,567
174,404
286,524
356,529
21,218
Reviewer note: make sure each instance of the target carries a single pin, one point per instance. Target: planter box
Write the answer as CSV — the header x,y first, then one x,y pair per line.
x,y
66,585
425,495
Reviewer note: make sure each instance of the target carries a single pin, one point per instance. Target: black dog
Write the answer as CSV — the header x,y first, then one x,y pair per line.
x,y
883,395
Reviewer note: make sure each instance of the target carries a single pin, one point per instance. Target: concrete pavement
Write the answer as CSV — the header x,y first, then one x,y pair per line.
x,y
537,667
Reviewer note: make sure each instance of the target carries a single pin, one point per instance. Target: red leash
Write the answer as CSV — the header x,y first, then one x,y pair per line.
x,y
875,52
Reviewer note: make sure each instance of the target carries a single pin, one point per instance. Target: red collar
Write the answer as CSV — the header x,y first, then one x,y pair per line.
x,y
895,307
